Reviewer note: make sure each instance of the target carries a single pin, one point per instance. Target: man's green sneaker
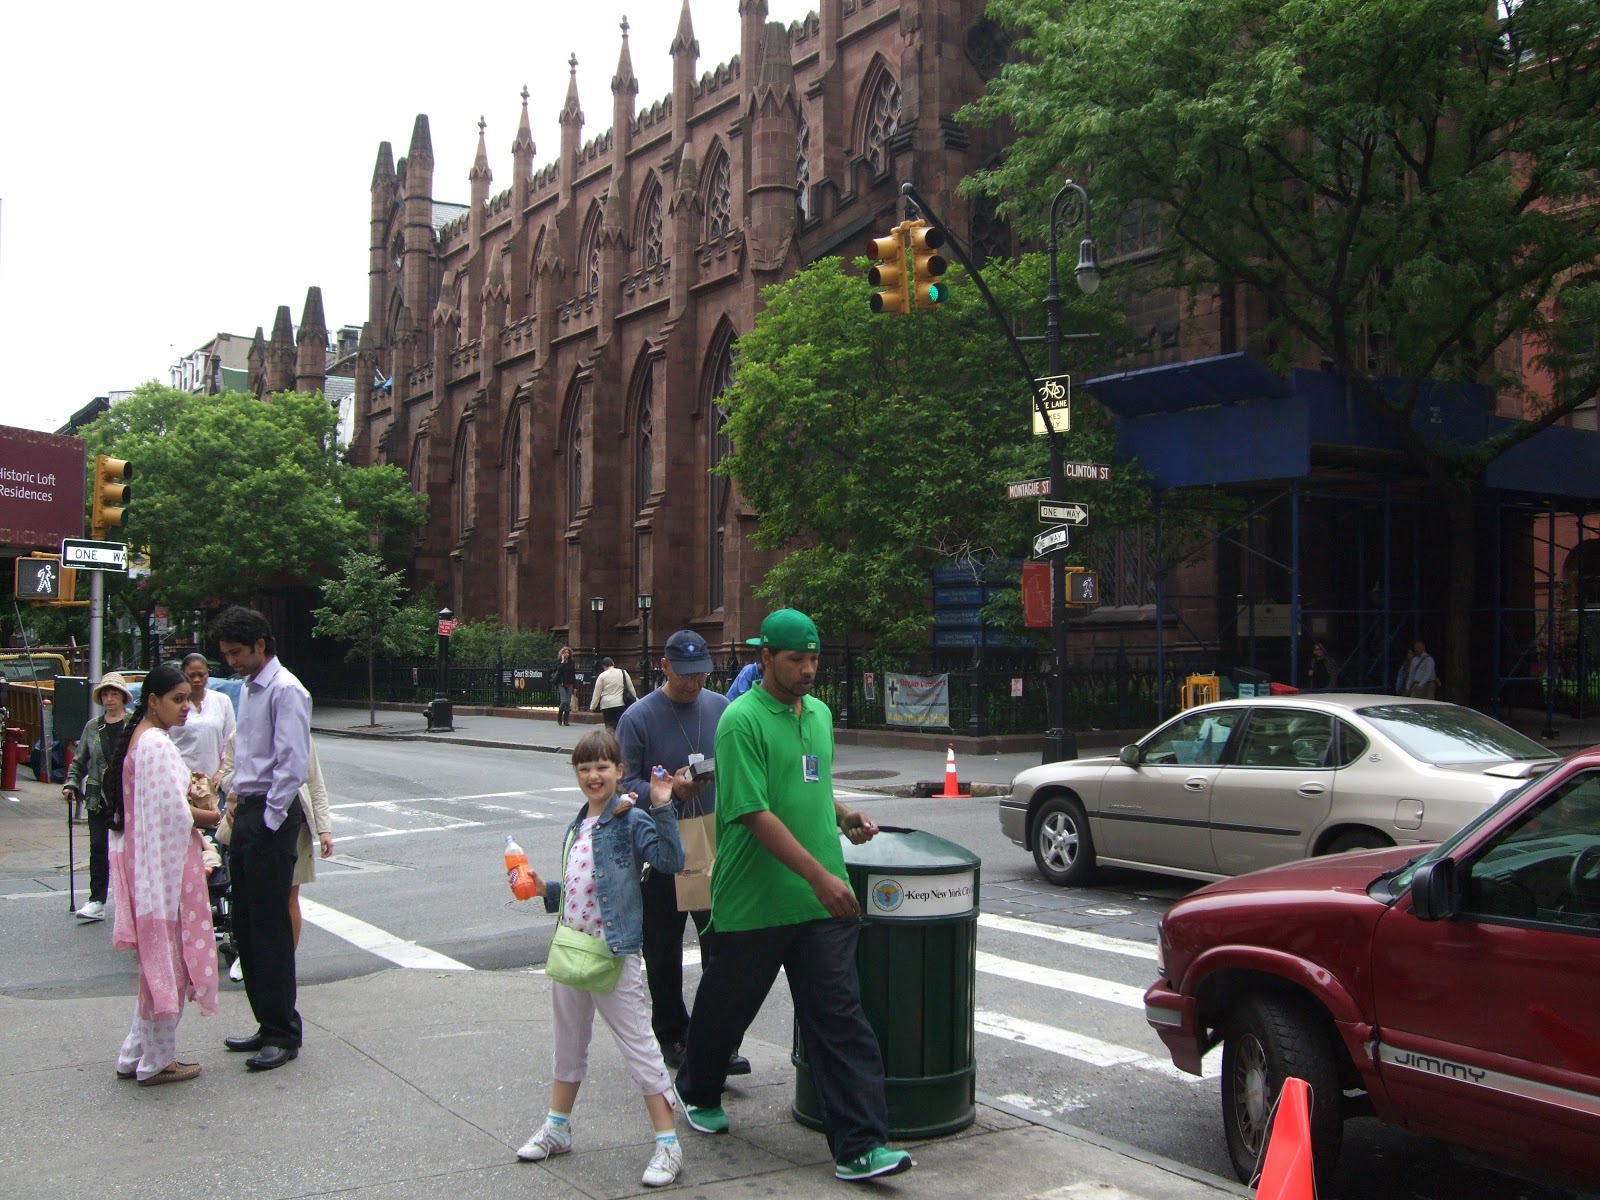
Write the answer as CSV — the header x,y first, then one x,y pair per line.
x,y
707,1120
880,1160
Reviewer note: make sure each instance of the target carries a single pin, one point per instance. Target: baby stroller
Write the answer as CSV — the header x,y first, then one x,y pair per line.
x,y
219,886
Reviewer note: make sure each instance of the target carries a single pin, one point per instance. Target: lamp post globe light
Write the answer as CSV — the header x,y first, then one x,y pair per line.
x,y
597,605
1067,210
646,603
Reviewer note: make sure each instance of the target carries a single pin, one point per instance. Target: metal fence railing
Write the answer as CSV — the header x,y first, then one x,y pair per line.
x,y
984,700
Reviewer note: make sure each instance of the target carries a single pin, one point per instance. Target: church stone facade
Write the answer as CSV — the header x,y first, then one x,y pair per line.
x,y
548,355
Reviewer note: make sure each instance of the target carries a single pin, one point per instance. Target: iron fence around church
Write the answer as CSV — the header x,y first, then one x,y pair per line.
x,y
1007,696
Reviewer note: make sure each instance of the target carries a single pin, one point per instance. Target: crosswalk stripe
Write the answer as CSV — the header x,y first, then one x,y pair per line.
x,y
1081,1047
376,941
1069,937
1065,981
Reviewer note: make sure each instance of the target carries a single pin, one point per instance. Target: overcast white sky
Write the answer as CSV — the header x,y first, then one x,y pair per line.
x,y
174,170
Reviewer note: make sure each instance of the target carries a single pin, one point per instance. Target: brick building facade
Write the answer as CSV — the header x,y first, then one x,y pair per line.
x,y
550,352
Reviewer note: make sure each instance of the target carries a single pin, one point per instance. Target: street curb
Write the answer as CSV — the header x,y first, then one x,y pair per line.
x,y
1126,1149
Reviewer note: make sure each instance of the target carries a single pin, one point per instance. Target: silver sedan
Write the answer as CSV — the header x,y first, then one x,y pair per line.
x,y
1227,788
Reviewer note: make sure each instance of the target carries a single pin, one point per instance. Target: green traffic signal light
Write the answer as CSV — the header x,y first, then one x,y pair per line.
x,y
927,265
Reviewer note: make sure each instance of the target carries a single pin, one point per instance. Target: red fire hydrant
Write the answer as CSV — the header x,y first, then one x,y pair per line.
x,y
13,752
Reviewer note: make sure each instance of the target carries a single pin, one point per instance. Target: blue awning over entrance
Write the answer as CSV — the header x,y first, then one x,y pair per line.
x,y
1222,379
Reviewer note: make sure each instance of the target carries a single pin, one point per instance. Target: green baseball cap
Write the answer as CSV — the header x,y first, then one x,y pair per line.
x,y
788,629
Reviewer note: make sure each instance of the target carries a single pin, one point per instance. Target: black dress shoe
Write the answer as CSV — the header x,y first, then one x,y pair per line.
x,y
243,1045
270,1057
673,1054
738,1064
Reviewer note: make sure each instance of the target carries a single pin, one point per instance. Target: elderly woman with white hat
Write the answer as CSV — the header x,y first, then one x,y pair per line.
x,y
83,788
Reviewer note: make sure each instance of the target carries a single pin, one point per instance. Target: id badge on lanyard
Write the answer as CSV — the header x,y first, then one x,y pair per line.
x,y
810,768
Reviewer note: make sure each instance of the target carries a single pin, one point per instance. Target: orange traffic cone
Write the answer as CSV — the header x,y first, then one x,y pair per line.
x,y
952,788
1287,1172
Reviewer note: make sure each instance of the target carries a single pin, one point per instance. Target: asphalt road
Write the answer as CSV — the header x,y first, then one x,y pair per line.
x,y
418,880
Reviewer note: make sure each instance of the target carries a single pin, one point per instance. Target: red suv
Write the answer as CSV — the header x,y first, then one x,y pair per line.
x,y
1456,992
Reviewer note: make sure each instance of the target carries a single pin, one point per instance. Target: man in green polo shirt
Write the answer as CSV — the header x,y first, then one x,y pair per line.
x,y
780,898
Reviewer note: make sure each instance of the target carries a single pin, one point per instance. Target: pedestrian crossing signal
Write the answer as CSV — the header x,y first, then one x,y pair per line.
x,y
1083,587
42,580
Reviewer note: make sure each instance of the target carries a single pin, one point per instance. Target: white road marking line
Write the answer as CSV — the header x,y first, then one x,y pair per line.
x,y
1081,1047
1069,937
35,896
431,799
376,941
356,837
1065,981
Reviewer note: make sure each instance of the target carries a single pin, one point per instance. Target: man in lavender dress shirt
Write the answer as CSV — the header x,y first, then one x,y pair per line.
x,y
271,748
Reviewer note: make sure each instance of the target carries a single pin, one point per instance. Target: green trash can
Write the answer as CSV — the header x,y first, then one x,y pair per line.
x,y
917,959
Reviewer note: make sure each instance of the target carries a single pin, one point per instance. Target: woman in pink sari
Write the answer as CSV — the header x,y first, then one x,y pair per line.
x,y
158,883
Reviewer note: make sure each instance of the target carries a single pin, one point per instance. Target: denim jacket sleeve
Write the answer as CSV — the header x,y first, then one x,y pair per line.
x,y
655,837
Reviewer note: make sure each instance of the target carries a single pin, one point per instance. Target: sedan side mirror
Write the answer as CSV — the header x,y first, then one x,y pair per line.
x,y
1129,756
1436,891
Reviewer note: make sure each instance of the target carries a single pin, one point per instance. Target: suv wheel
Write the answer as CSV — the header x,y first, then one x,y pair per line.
x,y
1270,1038
1063,849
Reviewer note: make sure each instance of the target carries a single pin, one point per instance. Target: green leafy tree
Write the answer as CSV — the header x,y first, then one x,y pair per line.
x,y
362,607
1410,169
232,494
874,448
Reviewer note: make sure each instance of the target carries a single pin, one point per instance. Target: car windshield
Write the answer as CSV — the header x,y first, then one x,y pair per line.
x,y
1447,734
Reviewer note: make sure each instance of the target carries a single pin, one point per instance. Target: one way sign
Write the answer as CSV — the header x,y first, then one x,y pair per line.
x,y
1072,514
1050,540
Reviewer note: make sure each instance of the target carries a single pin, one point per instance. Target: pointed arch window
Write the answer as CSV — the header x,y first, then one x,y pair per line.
x,y
644,449
575,419
590,253
652,241
883,119
802,170
514,476
461,475
719,199
720,488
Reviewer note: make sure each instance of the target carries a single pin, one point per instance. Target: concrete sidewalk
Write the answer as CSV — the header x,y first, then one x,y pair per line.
x,y
423,1083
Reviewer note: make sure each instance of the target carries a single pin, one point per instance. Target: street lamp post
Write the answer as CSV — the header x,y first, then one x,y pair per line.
x,y
1059,741
646,602
597,605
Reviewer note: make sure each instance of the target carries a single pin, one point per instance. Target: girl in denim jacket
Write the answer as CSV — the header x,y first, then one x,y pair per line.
x,y
608,843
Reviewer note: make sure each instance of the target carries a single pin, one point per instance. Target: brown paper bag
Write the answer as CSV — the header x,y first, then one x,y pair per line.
x,y
699,836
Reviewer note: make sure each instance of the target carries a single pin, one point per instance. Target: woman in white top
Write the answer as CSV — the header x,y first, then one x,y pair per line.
x,y
204,738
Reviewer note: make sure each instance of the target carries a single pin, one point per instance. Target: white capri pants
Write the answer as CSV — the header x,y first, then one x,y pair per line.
x,y
626,1011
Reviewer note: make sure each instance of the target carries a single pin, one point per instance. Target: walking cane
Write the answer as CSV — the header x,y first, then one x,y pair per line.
x,y
72,875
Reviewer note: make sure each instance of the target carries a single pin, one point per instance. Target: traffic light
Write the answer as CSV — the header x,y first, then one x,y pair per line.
x,y
889,273
111,492
927,264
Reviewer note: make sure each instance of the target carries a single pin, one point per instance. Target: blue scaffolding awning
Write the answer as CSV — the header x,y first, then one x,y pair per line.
x,y
1222,379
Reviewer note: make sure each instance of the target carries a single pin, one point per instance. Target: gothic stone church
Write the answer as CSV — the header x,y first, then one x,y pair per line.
x,y
552,351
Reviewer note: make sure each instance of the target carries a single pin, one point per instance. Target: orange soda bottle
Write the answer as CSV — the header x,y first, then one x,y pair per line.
x,y
518,874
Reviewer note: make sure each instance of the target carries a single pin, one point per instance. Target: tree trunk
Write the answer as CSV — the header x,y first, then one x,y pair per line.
x,y
1457,657
372,693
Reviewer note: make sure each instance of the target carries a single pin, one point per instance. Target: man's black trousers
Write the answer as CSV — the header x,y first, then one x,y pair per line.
x,y
819,958
261,861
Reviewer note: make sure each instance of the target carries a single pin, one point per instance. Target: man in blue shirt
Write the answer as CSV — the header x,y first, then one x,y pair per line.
x,y
272,748
674,726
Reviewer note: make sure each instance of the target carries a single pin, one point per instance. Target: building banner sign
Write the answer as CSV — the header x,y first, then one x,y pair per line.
x,y
41,488
917,701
